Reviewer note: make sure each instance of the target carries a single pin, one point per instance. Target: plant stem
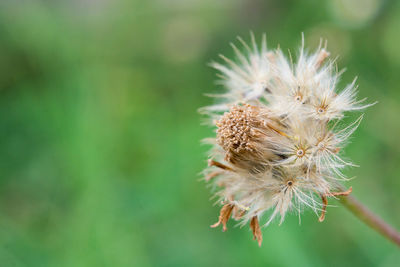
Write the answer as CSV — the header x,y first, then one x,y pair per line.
x,y
370,219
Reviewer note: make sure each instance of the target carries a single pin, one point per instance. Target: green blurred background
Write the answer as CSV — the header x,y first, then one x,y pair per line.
x,y
100,136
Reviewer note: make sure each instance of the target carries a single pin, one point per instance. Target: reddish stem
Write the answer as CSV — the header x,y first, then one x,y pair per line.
x,y
371,219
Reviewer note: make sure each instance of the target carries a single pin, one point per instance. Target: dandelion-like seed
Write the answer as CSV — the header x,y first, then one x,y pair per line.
x,y
278,145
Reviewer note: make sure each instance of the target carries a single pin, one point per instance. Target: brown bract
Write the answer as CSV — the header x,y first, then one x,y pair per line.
x,y
255,228
224,216
325,201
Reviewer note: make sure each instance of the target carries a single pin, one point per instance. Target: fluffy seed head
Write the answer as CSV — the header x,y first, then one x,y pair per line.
x,y
278,146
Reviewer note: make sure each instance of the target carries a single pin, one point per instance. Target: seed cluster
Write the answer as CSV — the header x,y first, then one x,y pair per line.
x,y
276,149
236,128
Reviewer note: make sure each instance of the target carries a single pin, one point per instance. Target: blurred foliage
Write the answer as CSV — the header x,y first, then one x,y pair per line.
x,y
100,150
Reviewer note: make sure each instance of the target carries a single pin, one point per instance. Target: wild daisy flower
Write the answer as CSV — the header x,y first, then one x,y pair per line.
x,y
278,144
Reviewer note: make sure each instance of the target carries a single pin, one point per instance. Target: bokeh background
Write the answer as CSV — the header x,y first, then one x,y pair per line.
x,y
100,136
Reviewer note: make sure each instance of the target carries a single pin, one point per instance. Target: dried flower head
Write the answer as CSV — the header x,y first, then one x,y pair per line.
x,y
243,133
278,145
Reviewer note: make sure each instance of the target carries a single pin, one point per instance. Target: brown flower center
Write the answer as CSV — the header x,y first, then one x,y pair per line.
x,y
300,153
236,128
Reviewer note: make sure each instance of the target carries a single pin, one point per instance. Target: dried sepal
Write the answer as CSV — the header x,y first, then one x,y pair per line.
x,y
255,228
323,211
224,216
325,201
344,193
219,165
